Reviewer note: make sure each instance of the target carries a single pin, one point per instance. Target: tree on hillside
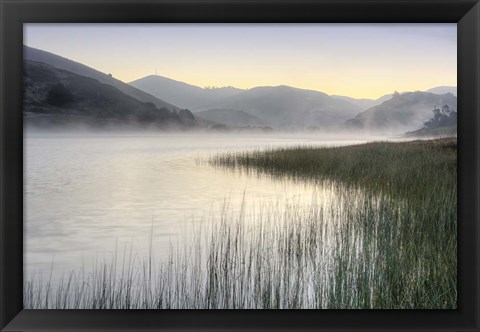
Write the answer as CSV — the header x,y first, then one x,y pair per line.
x,y
443,117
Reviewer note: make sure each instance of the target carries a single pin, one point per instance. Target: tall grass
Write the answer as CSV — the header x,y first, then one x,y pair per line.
x,y
411,169
386,240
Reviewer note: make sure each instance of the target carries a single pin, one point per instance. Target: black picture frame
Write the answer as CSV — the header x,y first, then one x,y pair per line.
x,y
466,13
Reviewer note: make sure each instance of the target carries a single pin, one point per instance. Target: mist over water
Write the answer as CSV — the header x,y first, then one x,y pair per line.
x,y
88,193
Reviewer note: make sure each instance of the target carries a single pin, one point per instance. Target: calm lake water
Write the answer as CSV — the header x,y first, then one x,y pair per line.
x,y
85,195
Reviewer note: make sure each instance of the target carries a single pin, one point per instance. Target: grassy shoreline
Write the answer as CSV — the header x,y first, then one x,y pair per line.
x,y
386,240
400,167
419,177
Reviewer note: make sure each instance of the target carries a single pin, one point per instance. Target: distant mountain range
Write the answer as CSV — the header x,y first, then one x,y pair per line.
x,y
284,107
280,107
156,99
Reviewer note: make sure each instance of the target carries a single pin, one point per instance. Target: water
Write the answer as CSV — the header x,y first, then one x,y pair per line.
x,y
87,194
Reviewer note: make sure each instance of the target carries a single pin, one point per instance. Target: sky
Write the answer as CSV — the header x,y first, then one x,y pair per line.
x,y
356,60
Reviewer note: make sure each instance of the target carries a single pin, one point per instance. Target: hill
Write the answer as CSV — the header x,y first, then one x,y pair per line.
x,y
182,94
54,96
33,54
402,113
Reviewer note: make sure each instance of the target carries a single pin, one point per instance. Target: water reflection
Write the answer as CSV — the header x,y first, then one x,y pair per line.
x,y
86,194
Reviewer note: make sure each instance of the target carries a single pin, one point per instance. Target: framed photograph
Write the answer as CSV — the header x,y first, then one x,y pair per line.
x,y
260,165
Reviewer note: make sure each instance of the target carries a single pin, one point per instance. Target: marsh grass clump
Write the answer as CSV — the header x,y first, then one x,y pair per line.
x,y
410,169
386,238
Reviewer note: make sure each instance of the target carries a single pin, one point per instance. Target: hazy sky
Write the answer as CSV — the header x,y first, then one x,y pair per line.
x,y
358,60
